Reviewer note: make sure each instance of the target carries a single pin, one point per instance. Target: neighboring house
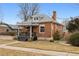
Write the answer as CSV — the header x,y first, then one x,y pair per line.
x,y
43,25
5,28
13,27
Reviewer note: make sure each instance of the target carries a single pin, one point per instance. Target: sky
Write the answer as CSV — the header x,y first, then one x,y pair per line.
x,y
9,11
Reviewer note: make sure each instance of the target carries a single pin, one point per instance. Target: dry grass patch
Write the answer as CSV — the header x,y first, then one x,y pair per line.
x,y
8,52
5,41
46,45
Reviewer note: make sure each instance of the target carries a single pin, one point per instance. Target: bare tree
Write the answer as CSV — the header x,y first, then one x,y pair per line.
x,y
28,9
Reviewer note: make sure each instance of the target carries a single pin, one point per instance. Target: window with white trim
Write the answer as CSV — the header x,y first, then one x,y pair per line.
x,y
42,28
36,18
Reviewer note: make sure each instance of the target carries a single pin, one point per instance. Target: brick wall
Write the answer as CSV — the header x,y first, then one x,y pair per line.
x,y
47,32
3,29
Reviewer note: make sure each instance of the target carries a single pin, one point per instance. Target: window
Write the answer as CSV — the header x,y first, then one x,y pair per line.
x,y
36,18
7,30
42,28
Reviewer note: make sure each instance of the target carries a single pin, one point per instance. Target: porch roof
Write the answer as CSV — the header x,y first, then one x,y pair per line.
x,y
28,23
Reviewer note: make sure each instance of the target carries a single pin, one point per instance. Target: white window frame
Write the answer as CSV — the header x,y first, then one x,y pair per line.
x,y
42,25
36,18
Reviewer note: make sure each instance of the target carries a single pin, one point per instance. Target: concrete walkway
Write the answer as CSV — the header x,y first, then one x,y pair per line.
x,y
51,53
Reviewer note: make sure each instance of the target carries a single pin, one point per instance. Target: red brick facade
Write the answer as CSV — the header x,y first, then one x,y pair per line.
x,y
47,32
50,27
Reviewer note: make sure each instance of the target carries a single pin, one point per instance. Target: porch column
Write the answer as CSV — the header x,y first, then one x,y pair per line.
x,y
18,31
30,32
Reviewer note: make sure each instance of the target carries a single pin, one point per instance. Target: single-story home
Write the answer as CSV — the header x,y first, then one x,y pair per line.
x,y
6,29
43,25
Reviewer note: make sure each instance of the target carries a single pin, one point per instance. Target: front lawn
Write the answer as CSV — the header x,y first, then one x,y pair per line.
x,y
2,41
46,45
8,52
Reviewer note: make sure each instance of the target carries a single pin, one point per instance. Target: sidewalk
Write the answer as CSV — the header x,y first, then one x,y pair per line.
x,y
49,53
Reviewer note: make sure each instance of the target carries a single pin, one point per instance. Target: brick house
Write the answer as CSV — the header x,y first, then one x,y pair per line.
x,y
3,28
6,28
43,25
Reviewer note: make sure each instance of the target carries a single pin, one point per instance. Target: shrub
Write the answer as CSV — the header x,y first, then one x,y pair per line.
x,y
34,37
51,40
12,33
15,38
56,36
66,36
74,39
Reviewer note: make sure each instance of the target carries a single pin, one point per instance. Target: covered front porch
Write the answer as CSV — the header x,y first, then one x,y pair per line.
x,y
27,30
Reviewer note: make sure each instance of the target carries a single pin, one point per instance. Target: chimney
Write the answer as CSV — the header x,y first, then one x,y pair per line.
x,y
54,20
54,16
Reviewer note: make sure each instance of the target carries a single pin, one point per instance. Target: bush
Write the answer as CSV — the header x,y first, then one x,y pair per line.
x,y
56,36
74,39
51,40
66,36
34,37
15,38
12,33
